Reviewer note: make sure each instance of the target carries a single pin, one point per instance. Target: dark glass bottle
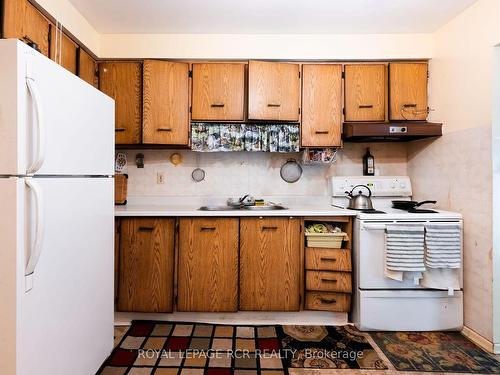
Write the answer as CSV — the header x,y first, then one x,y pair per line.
x,y
368,164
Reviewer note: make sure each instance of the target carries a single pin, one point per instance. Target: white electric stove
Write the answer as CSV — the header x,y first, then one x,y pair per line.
x,y
380,303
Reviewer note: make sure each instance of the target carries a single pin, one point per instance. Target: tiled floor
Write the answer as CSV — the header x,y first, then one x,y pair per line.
x,y
121,330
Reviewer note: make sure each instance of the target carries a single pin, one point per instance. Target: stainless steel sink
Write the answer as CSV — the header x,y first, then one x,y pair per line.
x,y
249,208
265,208
218,208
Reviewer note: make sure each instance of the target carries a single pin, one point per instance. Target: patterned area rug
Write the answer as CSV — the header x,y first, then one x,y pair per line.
x,y
162,348
435,352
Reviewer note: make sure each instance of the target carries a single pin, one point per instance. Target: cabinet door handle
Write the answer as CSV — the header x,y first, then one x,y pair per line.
x,y
328,300
218,105
325,259
411,105
328,280
119,129
207,228
146,229
322,132
365,106
269,228
274,105
164,129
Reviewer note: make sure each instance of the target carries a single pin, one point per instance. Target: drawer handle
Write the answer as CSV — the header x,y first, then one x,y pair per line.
x,y
119,129
146,229
324,259
218,105
164,129
365,106
409,106
328,300
207,228
269,228
275,105
328,280
322,132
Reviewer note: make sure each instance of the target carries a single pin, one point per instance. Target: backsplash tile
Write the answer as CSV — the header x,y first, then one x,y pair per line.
x,y
258,173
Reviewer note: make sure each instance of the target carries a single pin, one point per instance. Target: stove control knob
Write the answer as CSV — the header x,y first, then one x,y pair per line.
x,y
402,185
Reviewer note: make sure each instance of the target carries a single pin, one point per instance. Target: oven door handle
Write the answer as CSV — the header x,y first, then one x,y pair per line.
x,y
373,227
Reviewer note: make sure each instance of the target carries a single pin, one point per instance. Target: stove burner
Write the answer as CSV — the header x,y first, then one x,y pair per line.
x,y
369,211
421,211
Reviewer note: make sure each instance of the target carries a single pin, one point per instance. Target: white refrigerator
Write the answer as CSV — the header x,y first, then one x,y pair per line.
x,y
56,218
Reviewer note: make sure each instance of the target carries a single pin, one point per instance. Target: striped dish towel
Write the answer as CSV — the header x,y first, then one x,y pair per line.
x,y
443,244
405,248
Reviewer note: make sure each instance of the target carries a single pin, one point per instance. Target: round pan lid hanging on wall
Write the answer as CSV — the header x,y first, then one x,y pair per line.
x,y
291,171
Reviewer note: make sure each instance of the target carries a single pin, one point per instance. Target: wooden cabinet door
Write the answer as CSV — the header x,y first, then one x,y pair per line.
x,y
64,51
146,265
270,264
23,21
208,264
408,91
218,92
273,91
166,103
321,105
365,92
86,67
123,82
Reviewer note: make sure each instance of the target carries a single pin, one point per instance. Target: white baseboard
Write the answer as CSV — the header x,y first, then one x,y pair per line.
x,y
241,317
480,341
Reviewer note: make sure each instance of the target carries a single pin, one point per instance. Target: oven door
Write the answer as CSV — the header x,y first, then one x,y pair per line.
x,y
370,258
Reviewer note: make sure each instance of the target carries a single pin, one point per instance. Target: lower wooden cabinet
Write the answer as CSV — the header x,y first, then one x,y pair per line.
x,y
208,264
270,266
146,265
326,301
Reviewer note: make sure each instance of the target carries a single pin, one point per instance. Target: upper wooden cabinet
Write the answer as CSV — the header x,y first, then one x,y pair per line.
x,y
86,67
218,92
146,265
273,91
270,273
208,264
408,91
123,82
23,21
365,92
64,51
166,103
321,105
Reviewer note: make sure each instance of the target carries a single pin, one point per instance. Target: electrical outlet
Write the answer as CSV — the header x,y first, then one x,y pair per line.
x,y
160,178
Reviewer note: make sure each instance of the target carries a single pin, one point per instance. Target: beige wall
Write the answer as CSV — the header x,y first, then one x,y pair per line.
x,y
67,14
360,46
456,169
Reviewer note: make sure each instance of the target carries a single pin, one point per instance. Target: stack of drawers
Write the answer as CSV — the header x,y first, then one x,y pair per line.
x,y
328,279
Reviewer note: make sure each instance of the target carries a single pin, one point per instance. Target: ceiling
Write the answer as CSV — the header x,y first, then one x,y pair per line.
x,y
269,16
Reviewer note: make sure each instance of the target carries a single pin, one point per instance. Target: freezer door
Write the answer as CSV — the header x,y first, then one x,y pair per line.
x,y
64,299
51,121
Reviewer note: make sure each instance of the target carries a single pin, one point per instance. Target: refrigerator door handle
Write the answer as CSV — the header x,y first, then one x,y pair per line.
x,y
36,247
40,127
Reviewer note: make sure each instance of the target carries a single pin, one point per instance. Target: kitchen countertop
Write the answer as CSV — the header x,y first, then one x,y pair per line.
x,y
185,206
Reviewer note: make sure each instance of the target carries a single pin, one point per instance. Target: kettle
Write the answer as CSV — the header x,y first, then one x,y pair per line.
x,y
360,201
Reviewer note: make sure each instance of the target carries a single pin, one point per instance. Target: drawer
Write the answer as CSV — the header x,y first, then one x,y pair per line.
x,y
328,259
328,281
339,302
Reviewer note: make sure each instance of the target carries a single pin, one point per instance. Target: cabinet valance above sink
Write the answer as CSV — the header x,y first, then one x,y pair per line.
x,y
210,137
